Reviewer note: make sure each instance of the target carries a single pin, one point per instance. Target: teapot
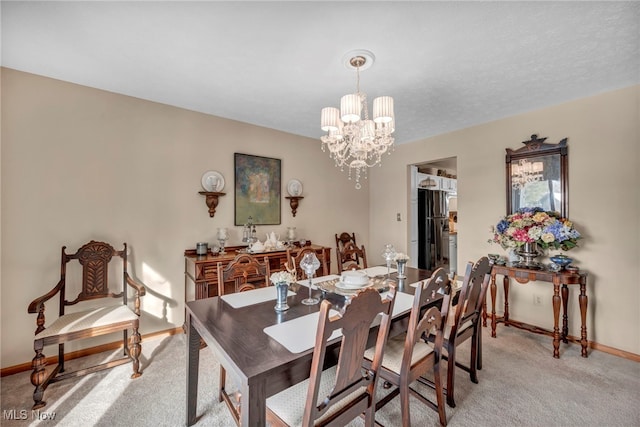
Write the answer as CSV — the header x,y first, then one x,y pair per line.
x,y
257,246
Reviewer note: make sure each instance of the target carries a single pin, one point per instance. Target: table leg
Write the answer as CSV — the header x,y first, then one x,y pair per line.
x,y
254,404
565,327
493,305
556,315
193,361
583,317
484,311
505,285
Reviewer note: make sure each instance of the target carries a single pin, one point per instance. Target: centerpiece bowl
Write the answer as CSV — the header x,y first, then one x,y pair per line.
x,y
561,260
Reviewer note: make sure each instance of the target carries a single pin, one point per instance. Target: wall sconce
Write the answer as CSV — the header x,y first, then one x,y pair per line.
x,y
213,184
294,188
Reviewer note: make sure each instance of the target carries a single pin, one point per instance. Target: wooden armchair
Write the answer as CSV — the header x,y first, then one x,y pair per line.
x,y
293,262
94,258
339,394
355,258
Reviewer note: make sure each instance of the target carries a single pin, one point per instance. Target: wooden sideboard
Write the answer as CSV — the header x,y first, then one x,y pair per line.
x,y
200,271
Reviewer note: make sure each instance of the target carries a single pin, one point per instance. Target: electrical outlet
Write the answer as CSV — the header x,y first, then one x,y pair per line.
x,y
537,299
398,217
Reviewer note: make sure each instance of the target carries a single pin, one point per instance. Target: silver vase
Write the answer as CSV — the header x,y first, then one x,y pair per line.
x,y
529,252
401,269
282,289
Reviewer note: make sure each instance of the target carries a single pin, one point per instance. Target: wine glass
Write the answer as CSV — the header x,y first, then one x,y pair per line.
x,y
389,254
310,264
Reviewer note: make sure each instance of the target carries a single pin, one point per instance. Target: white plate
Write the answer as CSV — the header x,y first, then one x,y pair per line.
x,y
209,178
294,188
345,286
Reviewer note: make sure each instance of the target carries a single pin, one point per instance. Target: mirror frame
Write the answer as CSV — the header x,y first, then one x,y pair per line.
x,y
533,148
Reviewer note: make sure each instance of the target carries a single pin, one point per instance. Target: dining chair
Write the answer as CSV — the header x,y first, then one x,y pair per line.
x,y
466,324
342,240
407,358
293,262
355,258
244,273
102,307
339,394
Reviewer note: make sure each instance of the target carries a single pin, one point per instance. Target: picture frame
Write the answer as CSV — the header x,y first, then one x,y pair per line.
x,y
257,189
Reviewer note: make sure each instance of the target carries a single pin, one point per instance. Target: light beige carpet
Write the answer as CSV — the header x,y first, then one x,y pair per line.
x,y
520,385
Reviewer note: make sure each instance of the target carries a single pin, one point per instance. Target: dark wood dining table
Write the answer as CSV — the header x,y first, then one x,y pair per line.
x,y
263,365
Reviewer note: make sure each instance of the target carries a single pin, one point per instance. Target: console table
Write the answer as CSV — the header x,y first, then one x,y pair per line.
x,y
560,280
201,271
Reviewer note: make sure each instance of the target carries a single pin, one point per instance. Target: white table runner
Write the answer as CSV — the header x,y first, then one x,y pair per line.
x,y
299,334
379,270
254,296
314,280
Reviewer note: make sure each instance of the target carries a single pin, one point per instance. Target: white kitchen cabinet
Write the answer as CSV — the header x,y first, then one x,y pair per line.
x,y
449,185
429,182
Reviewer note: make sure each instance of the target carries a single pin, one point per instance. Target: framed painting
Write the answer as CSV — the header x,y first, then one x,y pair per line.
x,y
257,189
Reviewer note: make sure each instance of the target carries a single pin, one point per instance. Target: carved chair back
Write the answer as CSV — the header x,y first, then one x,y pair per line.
x,y
341,241
472,294
94,258
351,380
244,272
355,257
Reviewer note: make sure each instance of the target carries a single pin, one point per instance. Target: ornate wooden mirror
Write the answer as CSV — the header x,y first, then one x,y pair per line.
x,y
537,176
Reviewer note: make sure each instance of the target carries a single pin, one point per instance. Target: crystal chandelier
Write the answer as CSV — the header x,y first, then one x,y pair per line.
x,y
525,172
355,141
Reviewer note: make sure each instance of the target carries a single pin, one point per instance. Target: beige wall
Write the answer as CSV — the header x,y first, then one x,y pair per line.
x,y
81,164
604,159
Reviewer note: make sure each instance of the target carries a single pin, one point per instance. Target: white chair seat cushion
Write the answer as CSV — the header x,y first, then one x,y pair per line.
x,y
394,350
289,404
75,322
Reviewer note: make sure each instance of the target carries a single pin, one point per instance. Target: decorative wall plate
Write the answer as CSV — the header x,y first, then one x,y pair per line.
x,y
212,181
294,188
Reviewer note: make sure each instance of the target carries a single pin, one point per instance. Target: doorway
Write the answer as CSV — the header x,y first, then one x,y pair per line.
x,y
433,226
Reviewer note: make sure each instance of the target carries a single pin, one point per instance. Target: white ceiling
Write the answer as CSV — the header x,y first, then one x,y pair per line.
x,y
448,65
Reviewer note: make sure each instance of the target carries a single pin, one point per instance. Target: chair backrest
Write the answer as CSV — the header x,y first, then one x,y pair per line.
x,y
293,263
342,240
472,294
94,258
351,379
355,258
425,322
245,272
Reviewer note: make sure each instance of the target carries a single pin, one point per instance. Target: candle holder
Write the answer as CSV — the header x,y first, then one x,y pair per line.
x,y
223,236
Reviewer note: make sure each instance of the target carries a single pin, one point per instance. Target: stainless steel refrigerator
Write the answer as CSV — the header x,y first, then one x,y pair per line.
x,y
432,222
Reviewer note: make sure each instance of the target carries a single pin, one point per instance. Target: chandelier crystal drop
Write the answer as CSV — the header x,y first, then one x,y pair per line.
x,y
353,139
525,172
